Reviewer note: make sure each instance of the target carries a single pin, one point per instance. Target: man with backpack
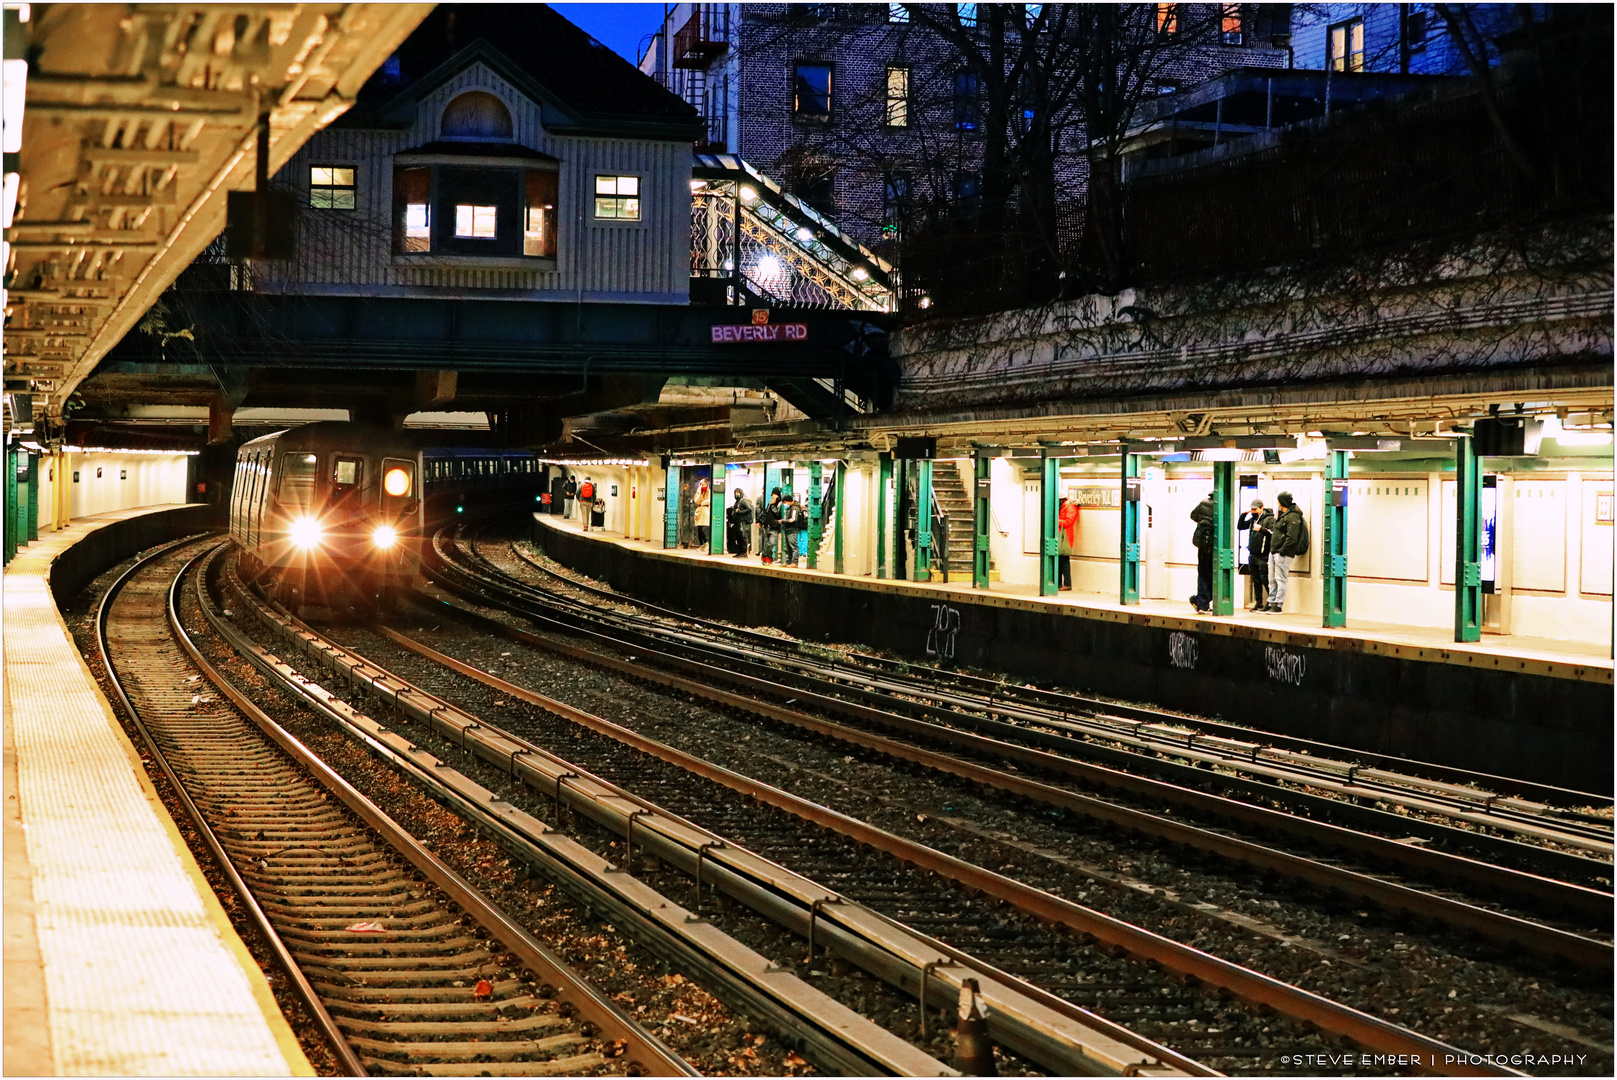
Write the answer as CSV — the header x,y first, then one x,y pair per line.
x,y
769,526
586,501
792,520
1290,539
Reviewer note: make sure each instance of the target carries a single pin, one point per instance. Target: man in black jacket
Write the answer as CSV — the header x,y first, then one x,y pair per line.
x,y
738,525
1203,538
1257,523
769,527
792,520
1290,540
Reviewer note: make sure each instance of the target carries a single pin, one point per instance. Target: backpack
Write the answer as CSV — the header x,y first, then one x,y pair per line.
x,y
1302,536
587,491
1203,536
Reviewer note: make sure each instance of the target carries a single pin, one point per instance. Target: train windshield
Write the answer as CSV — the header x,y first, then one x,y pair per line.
x,y
298,472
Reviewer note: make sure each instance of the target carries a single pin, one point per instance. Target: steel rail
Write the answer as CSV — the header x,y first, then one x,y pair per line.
x,y
1591,903
1252,987
1309,764
1584,831
1507,929
642,1048
842,1039
346,1056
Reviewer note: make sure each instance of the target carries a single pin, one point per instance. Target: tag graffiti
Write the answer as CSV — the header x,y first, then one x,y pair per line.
x,y
940,639
1181,650
1285,667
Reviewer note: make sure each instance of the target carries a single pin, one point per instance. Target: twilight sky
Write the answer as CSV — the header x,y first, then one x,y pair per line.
x,y
619,27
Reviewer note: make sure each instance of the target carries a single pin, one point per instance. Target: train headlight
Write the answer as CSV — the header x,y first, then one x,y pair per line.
x,y
306,532
384,536
396,482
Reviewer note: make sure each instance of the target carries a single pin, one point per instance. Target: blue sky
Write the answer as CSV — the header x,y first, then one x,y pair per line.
x,y
619,27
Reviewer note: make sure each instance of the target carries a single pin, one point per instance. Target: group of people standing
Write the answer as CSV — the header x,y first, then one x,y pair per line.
x,y
780,523
585,496
1272,543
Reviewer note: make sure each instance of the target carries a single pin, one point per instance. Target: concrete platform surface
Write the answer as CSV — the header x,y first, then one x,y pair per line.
x,y
119,959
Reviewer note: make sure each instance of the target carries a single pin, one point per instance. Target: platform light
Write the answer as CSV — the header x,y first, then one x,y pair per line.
x,y
306,532
805,234
769,267
698,185
748,194
860,273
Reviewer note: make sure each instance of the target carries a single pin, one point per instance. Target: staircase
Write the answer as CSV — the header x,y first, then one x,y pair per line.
x,y
955,502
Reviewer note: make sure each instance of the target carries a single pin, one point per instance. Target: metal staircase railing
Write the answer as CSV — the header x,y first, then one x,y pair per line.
x,y
751,242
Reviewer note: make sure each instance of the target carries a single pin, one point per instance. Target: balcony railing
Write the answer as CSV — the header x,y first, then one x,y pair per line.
x,y
703,38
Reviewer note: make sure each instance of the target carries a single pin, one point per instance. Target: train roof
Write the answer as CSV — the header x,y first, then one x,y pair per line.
x,y
436,452
331,434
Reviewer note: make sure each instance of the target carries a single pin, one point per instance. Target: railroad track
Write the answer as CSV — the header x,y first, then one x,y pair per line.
x,y
1535,811
1582,910
406,969
1160,986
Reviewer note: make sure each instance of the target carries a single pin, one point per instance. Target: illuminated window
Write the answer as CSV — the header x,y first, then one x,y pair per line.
x,y
474,222
412,190
1347,46
898,97
812,99
1167,18
898,13
1230,24
331,187
539,214
617,197
967,13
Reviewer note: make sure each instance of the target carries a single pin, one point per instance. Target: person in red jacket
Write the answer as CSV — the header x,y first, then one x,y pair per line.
x,y
586,501
1067,535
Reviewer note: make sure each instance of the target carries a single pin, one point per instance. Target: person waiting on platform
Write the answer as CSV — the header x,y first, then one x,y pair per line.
x,y
791,524
1290,541
738,525
586,502
769,527
1257,523
569,492
1067,533
1203,538
704,516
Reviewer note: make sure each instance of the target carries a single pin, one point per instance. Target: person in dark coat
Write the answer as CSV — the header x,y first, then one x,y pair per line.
x,y
792,520
769,527
1203,538
1257,523
738,525
1290,540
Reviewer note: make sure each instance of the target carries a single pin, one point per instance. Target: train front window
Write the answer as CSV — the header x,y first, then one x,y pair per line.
x,y
347,472
298,472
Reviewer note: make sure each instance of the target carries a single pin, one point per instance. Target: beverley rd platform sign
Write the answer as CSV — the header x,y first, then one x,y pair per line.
x,y
767,333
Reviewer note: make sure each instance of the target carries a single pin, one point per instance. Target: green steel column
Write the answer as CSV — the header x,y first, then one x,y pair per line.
x,y
816,527
11,504
884,479
922,570
24,496
837,509
1334,550
1223,538
1129,543
717,503
982,470
1468,542
671,507
1049,547
33,497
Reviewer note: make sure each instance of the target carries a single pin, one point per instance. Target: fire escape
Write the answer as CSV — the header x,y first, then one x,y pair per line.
x,y
703,39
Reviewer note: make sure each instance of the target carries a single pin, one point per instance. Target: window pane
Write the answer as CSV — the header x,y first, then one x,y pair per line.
x,y
628,185
813,90
483,221
898,13
631,209
898,93
605,207
606,185
320,198
346,472
415,219
342,199
463,220
297,480
539,217
342,177
320,174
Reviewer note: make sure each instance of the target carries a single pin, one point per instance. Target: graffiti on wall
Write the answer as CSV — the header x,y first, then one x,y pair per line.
x,y
1181,650
945,627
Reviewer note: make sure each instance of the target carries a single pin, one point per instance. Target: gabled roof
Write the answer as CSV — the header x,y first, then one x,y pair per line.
x,y
587,89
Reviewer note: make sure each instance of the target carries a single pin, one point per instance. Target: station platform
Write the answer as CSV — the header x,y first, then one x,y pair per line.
x,y
1536,708
119,959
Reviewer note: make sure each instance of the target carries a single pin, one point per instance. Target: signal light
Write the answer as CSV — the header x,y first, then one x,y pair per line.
x,y
460,509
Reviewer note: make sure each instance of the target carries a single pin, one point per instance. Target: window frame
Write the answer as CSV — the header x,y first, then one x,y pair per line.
x,y
1167,19
1232,24
901,101
1352,62
597,195
334,189
474,218
968,107
798,112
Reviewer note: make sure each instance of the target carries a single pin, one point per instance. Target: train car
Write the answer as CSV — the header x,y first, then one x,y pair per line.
x,y
463,480
329,512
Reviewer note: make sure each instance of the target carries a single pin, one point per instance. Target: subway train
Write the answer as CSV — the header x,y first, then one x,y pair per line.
x,y
334,513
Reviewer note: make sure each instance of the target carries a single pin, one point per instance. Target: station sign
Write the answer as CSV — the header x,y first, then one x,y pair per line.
x,y
765,334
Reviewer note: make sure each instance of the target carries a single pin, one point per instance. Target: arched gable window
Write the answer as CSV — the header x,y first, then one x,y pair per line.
x,y
477,115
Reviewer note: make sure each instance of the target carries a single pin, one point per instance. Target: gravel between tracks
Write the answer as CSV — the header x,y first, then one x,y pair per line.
x,y
1441,984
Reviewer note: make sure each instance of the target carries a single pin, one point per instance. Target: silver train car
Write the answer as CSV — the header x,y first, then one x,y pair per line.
x,y
329,513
